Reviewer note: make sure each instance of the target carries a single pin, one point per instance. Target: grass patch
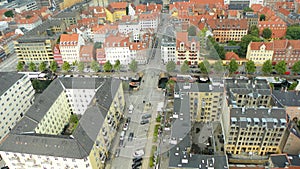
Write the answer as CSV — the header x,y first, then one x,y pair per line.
x,y
151,160
72,125
158,119
155,133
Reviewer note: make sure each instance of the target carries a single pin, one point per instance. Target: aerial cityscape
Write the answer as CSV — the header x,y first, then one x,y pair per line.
x,y
150,84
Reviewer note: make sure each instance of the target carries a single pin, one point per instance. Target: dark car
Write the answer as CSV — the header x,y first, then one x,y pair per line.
x,y
117,153
144,122
137,164
137,159
128,120
146,116
130,137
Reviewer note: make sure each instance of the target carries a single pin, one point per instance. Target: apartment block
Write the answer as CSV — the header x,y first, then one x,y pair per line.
x,y
37,45
259,52
28,22
115,11
187,48
16,97
257,131
46,146
87,53
149,20
70,18
168,49
70,45
225,30
205,100
278,28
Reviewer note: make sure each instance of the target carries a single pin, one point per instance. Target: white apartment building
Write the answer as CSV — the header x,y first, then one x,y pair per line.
x,y
30,23
118,51
127,27
89,142
26,5
149,20
70,47
16,96
168,49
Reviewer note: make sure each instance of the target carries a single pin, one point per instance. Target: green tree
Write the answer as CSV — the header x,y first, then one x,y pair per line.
x,y
9,14
170,86
244,44
97,45
267,33
192,31
66,66
262,17
185,67
80,66
293,85
296,67
293,32
133,65
32,66
233,66
20,66
248,9
254,31
42,66
218,66
219,49
107,67
117,65
267,67
250,67
53,66
171,66
204,66
280,67
95,66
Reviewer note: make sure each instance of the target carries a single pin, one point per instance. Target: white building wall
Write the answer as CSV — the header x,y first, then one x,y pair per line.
x,y
118,53
30,26
20,161
14,103
145,24
129,27
79,99
168,53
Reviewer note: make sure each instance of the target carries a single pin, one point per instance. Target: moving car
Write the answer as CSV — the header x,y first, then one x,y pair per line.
x,y
117,153
145,121
138,153
130,109
125,127
146,116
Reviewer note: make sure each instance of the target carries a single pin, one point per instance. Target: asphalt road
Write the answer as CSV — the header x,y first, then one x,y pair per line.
x,y
10,64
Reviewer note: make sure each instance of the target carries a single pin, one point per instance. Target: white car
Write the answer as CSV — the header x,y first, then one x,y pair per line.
x,y
130,109
125,127
138,153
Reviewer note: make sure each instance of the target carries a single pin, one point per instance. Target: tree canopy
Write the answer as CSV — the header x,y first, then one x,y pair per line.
x,y
171,66
117,65
267,33
293,32
9,14
254,31
185,67
80,66
267,67
32,66
107,67
250,67
233,66
42,66
66,66
20,66
95,66
219,50
133,65
248,9
280,67
53,66
262,17
296,67
204,67
218,66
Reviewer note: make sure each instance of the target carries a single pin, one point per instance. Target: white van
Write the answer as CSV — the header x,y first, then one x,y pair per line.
x,y
130,109
122,136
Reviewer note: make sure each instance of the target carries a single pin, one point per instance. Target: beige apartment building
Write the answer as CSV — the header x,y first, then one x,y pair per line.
x,y
37,45
260,52
46,146
16,97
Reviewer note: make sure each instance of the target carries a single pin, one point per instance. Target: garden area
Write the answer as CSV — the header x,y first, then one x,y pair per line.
x,y
72,125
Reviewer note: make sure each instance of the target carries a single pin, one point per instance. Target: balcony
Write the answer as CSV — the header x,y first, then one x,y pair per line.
x,y
183,51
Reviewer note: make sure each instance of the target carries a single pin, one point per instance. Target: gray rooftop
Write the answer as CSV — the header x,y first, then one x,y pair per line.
x,y
258,116
289,98
197,87
66,15
7,80
279,161
23,139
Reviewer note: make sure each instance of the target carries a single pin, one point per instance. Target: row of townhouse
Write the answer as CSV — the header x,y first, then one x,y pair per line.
x,y
276,51
98,102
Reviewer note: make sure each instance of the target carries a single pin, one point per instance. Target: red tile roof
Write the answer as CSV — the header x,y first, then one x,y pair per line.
x,y
228,24
256,7
278,28
284,11
207,1
69,39
118,5
232,13
27,20
231,55
257,45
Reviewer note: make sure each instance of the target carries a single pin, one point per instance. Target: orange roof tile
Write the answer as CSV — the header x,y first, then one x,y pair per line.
x,y
231,55
284,11
69,39
232,13
207,1
257,45
27,20
228,24
140,8
118,5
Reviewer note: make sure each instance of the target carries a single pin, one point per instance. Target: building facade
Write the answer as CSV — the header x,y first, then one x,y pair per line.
x,y
16,97
260,52
225,30
69,46
168,49
187,49
89,142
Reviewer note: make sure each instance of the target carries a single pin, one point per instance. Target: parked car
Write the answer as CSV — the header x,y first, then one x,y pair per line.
x,y
146,116
144,121
130,109
130,137
137,164
128,120
122,135
136,159
117,153
125,127
138,153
